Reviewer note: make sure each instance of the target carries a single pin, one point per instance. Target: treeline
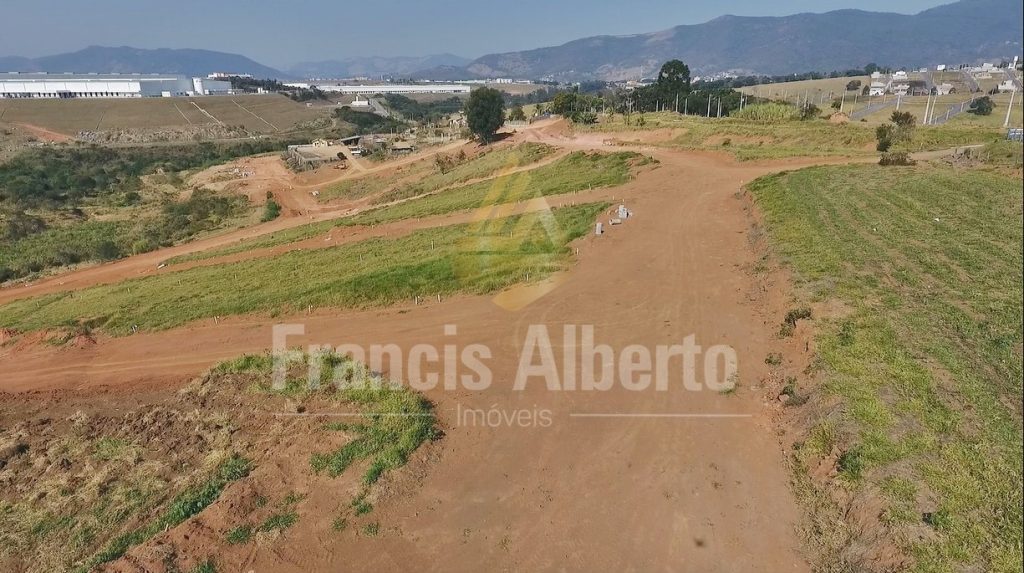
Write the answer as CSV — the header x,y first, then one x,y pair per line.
x,y
253,84
744,81
368,122
423,112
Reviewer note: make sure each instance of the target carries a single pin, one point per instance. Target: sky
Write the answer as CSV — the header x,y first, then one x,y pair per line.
x,y
282,32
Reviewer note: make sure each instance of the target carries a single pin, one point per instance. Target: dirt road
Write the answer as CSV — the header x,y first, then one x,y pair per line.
x,y
594,494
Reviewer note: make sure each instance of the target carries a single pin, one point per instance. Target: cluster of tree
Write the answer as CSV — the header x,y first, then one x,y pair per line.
x,y
61,177
744,81
576,106
423,112
549,93
368,122
311,93
253,84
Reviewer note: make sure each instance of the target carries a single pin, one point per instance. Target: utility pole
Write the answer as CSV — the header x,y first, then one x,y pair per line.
x,y
719,106
709,105
1009,108
842,102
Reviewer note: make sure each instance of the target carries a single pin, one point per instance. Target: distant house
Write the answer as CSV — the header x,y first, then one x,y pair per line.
x,y
402,148
877,88
315,154
945,89
1007,86
901,89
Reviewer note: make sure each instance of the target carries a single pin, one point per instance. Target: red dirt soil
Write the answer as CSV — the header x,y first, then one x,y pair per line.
x,y
585,494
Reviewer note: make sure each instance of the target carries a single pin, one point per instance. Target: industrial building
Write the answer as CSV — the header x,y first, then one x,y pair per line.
x,y
385,88
64,86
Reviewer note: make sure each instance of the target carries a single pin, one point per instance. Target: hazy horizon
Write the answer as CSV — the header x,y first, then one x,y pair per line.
x,y
399,28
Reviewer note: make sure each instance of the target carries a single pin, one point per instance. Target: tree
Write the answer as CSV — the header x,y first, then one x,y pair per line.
x,y
674,77
517,113
903,119
485,112
852,85
563,103
673,83
982,106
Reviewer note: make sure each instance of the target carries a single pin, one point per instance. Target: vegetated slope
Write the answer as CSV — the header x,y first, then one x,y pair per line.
x,y
90,478
62,206
576,172
911,457
444,260
965,31
128,60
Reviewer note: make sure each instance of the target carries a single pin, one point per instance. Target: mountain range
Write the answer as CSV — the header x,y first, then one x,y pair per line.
x,y
126,60
962,32
967,31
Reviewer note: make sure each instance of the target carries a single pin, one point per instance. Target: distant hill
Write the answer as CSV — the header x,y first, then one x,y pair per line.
x,y
126,60
399,66
963,32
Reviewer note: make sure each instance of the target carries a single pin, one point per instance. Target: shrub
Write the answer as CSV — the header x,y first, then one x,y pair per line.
x,y
982,106
271,211
899,158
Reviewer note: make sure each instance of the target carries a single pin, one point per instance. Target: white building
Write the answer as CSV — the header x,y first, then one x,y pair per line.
x,y
386,88
66,86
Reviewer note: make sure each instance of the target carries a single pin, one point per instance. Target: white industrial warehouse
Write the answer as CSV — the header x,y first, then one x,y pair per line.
x,y
64,86
350,89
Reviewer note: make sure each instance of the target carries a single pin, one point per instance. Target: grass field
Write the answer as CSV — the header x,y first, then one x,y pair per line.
x,y
484,165
916,105
476,258
924,370
748,140
577,171
811,88
256,113
424,177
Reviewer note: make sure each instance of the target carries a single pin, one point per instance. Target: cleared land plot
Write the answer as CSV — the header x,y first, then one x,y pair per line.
x,y
483,165
811,88
926,363
424,177
72,116
476,258
575,172
748,140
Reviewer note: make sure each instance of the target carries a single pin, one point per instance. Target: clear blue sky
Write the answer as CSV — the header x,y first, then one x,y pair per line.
x,y
281,32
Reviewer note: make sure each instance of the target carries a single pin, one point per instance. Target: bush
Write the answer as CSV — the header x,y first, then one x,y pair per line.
x,y
896,158
982,106
270,211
